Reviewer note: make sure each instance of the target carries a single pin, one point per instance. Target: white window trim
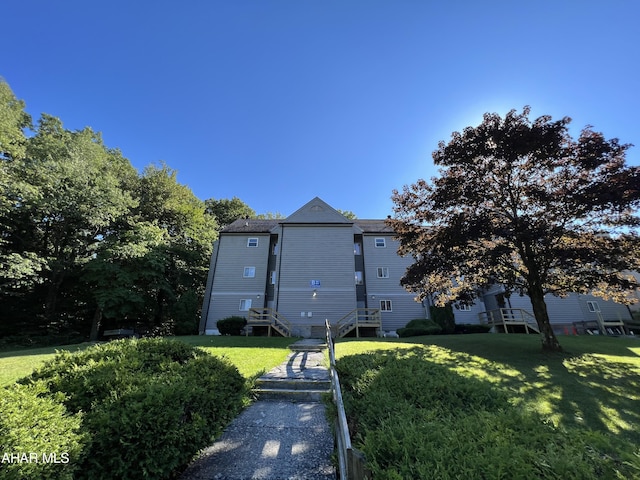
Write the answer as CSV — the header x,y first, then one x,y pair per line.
x,y
249,242
593,306
464,308
247,304
384,242
380,272
249,272
385,303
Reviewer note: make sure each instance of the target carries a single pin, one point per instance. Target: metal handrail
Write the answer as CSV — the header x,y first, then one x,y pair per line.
x,y
351,462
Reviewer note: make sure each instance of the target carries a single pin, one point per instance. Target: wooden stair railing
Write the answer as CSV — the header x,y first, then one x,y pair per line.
x,y
356,319
268,317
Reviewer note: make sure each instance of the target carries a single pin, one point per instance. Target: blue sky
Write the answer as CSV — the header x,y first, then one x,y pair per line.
x,y
277,101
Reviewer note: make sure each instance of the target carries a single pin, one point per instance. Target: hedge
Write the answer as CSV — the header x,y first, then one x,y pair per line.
x,y
40,427
148,405
413,418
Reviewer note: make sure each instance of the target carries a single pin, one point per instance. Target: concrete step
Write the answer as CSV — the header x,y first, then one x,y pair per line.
x,y
293,384
308,345
292,395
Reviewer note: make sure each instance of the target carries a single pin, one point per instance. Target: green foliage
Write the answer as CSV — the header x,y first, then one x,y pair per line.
x,y
414,418
419,326
32,423
13,119
472,328
226,211
231,325
444,317
86,242
149,405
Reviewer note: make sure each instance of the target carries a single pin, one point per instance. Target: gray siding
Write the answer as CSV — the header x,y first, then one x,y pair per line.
x,y
570,309
229,286
404,305
316,252
471,316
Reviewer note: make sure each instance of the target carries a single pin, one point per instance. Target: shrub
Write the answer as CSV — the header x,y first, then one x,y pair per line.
x,y
149,404
472,328
444,317
419,326
38,426
231,325
414,418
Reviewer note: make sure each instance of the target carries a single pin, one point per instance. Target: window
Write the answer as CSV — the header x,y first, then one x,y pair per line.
x,y
465,308
385,306
274,249
273,277
593,306
252,242
357,248
380,243
383,272
359,278
245,304
249,272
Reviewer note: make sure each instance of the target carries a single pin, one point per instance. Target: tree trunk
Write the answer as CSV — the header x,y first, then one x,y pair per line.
x,y
549,341
95,325
52,297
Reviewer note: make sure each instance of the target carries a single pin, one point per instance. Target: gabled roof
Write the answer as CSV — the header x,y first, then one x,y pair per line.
x,y
250,226
374,226
316,211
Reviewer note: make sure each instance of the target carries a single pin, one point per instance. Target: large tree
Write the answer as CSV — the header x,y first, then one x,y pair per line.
x,y
524,204
151,270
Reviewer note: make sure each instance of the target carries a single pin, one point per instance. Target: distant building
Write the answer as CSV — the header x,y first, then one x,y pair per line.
x,y
288,275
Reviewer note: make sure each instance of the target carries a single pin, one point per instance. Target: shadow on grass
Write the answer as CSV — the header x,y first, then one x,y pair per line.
x,y
416,409
595,384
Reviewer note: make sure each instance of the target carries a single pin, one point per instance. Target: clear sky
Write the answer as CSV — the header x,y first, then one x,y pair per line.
x,y
279,101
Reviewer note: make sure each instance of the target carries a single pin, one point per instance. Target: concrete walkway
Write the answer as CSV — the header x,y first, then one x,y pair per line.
x,y
285,434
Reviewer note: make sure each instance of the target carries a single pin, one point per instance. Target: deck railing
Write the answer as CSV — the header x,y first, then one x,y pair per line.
x,y
509,317
261,317
351,461
356,319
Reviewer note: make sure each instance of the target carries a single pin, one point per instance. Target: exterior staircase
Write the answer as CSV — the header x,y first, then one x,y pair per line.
x,y
275,322
302,378
516,318
357,319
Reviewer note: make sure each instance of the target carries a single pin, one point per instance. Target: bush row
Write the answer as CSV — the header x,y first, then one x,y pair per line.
x,y
128,409
416,419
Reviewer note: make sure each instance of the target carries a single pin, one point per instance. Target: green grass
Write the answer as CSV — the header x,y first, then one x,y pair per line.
x,y
251,355
594,384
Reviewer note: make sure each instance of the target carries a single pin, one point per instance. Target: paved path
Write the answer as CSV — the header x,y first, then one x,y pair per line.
x,y
280,439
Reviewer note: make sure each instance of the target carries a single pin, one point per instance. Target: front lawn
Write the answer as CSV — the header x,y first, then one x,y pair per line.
x,y
593,387
251,355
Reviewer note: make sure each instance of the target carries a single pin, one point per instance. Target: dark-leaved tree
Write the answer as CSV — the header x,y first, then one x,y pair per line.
x,y
524,204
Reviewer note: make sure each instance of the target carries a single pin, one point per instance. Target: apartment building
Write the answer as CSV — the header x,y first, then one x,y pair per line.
x,y
290,275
